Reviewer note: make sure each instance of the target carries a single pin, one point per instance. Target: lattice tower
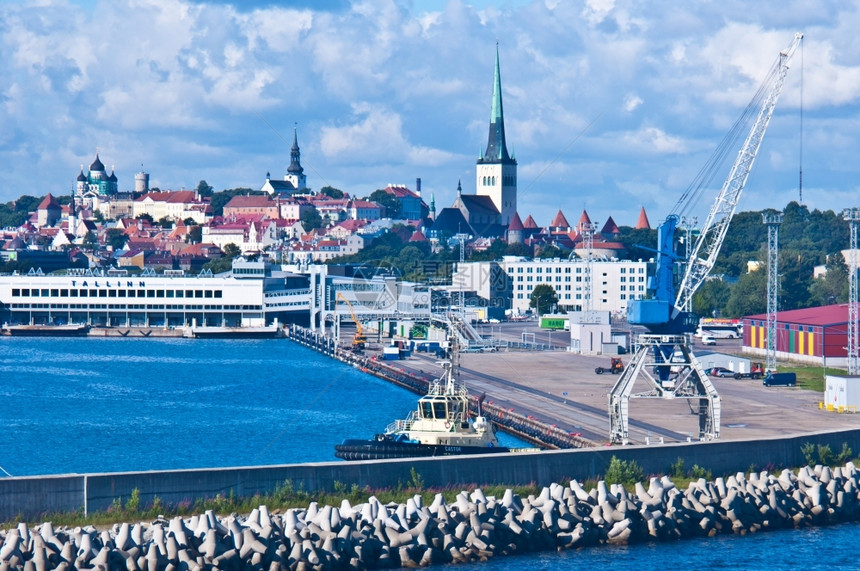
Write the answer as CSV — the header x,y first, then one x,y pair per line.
x,y
852,215
772,221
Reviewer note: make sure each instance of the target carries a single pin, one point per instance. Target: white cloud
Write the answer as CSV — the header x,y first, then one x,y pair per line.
x,y
182,85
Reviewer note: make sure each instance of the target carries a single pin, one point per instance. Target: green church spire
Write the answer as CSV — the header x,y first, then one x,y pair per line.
x,y
497,151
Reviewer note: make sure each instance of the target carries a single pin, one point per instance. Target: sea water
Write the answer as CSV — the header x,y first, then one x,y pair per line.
x,y
76,405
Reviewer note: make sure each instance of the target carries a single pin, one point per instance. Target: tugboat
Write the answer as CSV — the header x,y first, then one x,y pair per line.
x,y
442,425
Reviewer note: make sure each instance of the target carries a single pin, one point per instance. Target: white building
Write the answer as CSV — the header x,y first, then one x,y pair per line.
x,y
512,280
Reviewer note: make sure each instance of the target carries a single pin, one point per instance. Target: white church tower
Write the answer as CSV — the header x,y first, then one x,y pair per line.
x,y
497,170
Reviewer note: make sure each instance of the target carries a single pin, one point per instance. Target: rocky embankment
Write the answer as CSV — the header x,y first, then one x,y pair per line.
x,y
472,528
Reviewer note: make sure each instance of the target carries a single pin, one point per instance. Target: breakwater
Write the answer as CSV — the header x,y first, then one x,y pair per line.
x,y
473,527
530,429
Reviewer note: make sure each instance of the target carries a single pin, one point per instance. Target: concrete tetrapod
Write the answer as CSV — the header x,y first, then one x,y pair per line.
x,y
474,527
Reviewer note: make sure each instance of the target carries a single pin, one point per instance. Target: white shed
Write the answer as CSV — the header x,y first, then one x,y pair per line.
x,y
842,392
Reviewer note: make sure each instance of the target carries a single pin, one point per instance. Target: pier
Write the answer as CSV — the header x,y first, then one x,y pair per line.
x,y
531,430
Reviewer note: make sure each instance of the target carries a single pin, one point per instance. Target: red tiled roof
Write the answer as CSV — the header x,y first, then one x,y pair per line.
x,y
610,227
516,224
642,223
418,236
560,221
48,202
530,223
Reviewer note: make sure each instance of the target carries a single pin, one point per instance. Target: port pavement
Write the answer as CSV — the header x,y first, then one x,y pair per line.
x,y
561,388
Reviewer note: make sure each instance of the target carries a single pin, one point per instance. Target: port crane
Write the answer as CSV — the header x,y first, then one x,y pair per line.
x,y
358,340
664,357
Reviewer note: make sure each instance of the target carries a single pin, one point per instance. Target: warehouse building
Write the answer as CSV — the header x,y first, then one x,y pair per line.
x,y
815,336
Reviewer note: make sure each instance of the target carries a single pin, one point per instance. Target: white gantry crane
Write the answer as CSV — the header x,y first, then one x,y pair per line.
x,y
664,357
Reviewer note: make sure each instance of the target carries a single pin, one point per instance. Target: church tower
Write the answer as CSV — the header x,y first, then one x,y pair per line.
x,y
496,172
295,172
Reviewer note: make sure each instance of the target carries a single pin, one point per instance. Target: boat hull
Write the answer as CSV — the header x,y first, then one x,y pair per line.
x,y
386,449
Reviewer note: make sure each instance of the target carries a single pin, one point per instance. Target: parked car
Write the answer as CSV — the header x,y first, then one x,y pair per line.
x,y
721,372
708,340
780,379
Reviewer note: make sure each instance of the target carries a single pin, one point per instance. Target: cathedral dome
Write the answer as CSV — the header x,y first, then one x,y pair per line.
x,y
82,177
97,165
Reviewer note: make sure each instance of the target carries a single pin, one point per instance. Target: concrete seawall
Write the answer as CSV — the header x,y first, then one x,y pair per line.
x,y
36,496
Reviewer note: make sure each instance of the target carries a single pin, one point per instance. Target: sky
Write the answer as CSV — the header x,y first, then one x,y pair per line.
x,y
610,105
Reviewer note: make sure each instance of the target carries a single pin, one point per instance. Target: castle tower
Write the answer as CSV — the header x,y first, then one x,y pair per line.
x,y
141,182
295,172
496,172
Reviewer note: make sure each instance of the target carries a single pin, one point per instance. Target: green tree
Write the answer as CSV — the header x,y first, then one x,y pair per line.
x,y
711,298
165,222
551,251
390,202
543,298
231,251
518,249
749,295
833,286
91,241
204,190
332,192
496,250
145,216
195,234
116,238
311,219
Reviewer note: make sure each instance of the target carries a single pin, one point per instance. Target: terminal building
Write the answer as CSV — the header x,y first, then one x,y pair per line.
x,y
508,283
253,294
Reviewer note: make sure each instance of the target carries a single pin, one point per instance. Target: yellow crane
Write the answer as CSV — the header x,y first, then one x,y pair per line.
x,y
358,340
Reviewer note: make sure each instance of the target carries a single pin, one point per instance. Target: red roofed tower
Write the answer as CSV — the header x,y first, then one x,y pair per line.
x,y
515,230
642,223
559,223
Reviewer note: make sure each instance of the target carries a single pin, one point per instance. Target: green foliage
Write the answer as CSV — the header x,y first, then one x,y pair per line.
x,y
231,251
204,190
145,216
389,201
676,468
640,244
749,295
833,287
416,482
90,241
623,472
311,219
133,503
543,298
15,213
332,192
165,222
195,234
116,238
711,298
549,252
822,454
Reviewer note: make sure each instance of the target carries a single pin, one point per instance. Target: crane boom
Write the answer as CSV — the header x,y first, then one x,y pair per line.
x,y
713,232
358,340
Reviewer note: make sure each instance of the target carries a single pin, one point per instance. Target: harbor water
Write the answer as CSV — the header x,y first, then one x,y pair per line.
x,y
75,405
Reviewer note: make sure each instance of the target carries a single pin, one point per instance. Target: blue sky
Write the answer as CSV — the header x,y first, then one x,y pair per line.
x,y
610,105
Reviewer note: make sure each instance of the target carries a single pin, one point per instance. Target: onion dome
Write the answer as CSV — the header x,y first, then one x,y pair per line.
x,y
97,165
82,177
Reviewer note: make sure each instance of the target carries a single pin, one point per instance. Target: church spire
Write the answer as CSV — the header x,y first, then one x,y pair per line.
x,y
295,167
497,151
